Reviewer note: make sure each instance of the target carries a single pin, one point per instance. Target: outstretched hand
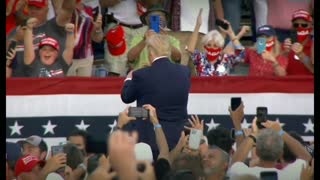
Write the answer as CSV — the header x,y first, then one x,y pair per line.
x,y
195,123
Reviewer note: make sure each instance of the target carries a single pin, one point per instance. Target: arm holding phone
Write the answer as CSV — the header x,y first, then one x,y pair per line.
x,y
237,116
160,136
295,146
29,54
97,32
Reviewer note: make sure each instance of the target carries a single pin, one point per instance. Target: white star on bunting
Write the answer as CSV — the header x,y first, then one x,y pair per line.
x,y
82,126
245,124
49,128
212,124
15,129
281,124
112,126
309,126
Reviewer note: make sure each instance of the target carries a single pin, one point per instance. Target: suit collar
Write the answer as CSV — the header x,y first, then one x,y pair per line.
x,y
160,59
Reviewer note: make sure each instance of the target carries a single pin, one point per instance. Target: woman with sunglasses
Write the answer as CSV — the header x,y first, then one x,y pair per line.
x,y
299,47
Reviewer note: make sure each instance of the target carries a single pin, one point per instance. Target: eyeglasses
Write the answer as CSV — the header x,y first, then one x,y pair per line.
x,y
296,25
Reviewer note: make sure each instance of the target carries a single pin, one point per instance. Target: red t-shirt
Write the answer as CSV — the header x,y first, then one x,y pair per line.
x,y
11,19
261,67
296,67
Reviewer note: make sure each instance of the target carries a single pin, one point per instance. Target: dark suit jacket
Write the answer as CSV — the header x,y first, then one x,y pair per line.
x,y
166,87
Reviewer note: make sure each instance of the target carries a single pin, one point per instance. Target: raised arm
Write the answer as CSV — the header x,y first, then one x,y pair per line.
x,y
246,146
135,51
160,136
29,54
68,51
237,117
295,146
97,32
218,9
65,13
194,36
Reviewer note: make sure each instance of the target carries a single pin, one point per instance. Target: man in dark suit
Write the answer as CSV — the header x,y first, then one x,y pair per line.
x,y
165,86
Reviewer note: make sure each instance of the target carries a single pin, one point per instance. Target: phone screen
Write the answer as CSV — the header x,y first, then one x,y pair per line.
x,y
235,103
261,45
155,23
262,113
56,150
138,112
195,138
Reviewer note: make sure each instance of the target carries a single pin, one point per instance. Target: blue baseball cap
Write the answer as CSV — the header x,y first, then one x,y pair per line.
x,y
13,151
266,30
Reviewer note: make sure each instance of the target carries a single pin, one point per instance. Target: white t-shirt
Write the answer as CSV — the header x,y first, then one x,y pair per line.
x,y
189,13
290,172
126,12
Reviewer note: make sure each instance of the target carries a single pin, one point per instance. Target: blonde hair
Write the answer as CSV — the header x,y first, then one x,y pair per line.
x,y
159,45
215,36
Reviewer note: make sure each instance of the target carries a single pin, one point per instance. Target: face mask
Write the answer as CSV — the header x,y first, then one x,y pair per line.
x,y
269,45
212,53
303,33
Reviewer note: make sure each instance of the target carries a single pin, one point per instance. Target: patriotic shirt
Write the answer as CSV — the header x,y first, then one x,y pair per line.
x,y
221,67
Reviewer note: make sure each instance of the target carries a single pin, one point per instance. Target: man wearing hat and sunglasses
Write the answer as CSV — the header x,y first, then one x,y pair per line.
x,y
300,46
138,53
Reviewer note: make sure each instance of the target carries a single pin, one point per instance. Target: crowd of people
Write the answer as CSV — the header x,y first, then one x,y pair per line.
x,y
219,155
118,31
55,38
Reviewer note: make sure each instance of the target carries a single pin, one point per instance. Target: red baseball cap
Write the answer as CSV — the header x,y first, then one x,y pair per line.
x,y
115,38
49,42
38,3
301,14
27,163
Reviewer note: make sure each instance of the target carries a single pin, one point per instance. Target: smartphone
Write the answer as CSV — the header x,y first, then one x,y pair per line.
x,y
195,139
56,150
155,23
235,103
268,175
12,45
293,37
262,113
261,45
138,112
222,24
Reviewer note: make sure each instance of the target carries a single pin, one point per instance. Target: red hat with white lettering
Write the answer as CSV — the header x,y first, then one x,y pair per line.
x,y
26,164
49,42
301,14
38,3
116,41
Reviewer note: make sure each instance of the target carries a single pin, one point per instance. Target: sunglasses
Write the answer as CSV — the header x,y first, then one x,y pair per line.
x,y
296,25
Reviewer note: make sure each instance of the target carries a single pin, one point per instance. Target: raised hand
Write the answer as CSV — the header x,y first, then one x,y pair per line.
x,y
237,116
195,123
124,119
69,27
10,56
199,18
56,162
287,45
307,171
32,22
152,113
297,48
98,23
272,125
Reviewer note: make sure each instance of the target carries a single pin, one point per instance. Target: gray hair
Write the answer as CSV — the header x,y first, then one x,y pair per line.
x,y
215,36
74,155
159,45
269,145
